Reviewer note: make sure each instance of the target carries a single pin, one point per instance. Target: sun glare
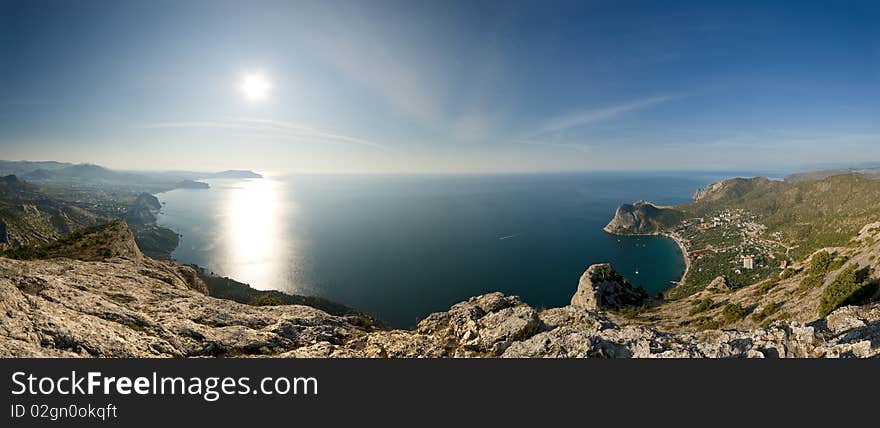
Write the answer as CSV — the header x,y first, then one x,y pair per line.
x,y
255,87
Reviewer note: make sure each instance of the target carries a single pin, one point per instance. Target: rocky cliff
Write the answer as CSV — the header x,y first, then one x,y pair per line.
x,y
601,287
642,218
127,305
28,217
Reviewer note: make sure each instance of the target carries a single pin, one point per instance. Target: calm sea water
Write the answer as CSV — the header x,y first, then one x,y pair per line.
x,y
401,247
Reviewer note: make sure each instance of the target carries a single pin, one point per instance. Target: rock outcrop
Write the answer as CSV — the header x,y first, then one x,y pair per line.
x,y
642,218
128,306
719,284
144,210
601,287
733,188
133,306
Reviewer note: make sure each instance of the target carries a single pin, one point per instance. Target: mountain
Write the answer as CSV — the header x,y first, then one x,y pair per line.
x,y
642,218
870,172
29,217
234,173
766,222
191,184
20,168
10,186
734,188
90,176
88,173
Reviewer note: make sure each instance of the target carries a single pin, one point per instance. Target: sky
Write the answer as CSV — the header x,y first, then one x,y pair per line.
x,y
444,86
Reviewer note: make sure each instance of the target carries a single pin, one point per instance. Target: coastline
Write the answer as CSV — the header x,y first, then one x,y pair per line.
x,y
684,253
677,239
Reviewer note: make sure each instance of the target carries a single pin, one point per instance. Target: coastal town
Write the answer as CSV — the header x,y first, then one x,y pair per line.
x,y
731,243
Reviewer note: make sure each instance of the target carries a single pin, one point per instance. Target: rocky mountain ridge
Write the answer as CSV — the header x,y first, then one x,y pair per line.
x,y
128,305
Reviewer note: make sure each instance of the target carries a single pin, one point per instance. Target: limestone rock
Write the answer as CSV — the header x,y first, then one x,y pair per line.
x,y
642,218
142,308
601,287
719,284
126,307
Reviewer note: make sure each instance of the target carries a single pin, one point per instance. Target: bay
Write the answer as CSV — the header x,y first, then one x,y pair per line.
x,y
401,247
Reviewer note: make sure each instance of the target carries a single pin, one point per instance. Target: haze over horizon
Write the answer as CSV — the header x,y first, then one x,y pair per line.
x,y
393,86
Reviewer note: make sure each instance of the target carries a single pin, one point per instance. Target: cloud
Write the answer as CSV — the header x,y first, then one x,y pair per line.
x,y
586,117
548,132
381,65
314,132
580,147
267,128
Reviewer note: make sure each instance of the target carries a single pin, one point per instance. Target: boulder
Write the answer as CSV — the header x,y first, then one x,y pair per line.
x,y
601,287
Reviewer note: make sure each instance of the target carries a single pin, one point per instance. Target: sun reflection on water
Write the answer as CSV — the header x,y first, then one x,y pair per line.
x,y
255,250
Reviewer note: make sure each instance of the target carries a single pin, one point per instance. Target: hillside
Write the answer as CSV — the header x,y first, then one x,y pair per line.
x,y
643,218
91,178
804,292
95,243
32,215
29,217
746,230
24,167
870,172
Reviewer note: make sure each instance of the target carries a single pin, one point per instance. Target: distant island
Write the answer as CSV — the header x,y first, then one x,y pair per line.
x,y
234,173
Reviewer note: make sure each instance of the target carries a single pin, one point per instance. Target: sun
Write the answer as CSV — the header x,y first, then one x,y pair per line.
x,y
255,87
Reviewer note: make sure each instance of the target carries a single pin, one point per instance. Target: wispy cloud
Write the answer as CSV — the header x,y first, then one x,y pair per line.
x,y
580,147
315,132
372,60
267,128
591,116
547,133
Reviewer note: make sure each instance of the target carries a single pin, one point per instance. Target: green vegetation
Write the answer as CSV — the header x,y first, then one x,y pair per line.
x,y
852,286
266,300
733,312
768,310
156,242
633,311
787,273
767,285
701,305
702,323
772,221
821,263
229,289
87,244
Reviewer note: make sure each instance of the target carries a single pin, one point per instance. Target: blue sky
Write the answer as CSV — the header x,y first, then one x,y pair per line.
x,y
378,86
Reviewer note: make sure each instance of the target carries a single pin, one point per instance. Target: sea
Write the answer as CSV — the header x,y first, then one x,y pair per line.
x,y
403,246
